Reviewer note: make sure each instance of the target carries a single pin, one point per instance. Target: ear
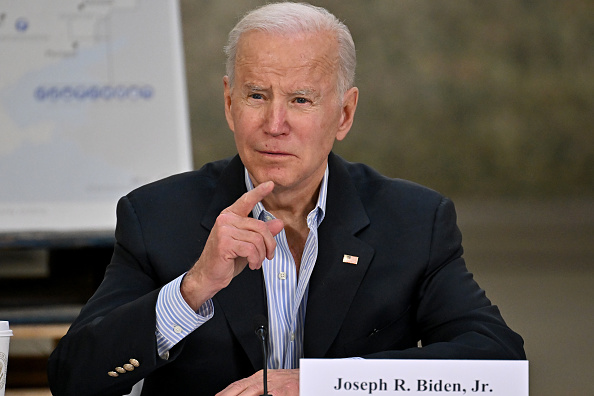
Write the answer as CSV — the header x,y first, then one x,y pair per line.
x,y
349,105
227,93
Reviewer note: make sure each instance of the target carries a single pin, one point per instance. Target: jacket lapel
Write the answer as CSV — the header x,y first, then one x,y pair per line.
x,y
230,186
244,298
334,282
240,302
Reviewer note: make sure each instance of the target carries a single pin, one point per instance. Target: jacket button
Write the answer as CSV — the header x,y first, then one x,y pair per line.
x,y
134,362
113,374
120,370
128,367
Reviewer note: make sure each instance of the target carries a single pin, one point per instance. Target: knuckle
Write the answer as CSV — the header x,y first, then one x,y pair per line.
x,y
257,239
223,218
252,252
261,227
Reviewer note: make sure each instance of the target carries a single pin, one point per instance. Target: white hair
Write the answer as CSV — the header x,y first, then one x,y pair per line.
x,y
293,18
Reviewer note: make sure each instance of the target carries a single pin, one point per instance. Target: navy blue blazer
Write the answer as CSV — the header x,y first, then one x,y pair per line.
x,y
410,284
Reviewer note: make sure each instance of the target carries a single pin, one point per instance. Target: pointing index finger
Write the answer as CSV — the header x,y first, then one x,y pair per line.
x,y
244,205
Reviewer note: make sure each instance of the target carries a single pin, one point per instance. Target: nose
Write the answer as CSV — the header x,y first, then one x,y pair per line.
x,y
276,119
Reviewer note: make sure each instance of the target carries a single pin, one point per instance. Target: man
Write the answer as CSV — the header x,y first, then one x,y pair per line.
x,y
343,261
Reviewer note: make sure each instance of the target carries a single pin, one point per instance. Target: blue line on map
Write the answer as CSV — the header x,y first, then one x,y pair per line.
x,y
81,93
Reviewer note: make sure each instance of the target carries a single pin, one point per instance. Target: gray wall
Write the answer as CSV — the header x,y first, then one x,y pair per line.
x,y
470,98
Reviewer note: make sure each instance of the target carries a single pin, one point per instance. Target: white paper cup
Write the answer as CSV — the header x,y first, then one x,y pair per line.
x,y
5,334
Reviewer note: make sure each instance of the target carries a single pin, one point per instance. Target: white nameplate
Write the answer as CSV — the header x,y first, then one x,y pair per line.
x,y
335,377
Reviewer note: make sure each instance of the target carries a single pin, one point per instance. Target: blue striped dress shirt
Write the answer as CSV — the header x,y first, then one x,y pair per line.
x,y
286,293
286,290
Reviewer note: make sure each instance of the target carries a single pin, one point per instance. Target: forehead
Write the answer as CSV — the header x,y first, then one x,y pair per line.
x,y
314,55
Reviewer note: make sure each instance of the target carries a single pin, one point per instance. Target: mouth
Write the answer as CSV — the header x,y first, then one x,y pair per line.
x,y
274,154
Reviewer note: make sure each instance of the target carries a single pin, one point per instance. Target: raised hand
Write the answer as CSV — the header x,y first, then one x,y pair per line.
x,y
235,241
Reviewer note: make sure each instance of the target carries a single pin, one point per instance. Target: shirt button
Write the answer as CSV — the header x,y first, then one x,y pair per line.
x,y
177,329
292,336
282,275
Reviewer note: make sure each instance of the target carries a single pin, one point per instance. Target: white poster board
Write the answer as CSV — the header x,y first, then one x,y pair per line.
x,y
334,377
92,105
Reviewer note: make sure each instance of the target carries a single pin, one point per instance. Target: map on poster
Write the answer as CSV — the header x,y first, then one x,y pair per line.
x,y
92,105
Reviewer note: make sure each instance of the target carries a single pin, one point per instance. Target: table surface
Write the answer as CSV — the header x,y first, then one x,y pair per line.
x,y
28,392
33,331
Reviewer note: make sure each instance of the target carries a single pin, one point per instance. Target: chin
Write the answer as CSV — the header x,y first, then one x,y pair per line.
x,y
263,174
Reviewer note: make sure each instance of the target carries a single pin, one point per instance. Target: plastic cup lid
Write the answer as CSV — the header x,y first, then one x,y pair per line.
x,y
4,329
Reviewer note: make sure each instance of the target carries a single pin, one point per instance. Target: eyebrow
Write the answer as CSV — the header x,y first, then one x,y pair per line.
x,y
299,92
254,87
304,92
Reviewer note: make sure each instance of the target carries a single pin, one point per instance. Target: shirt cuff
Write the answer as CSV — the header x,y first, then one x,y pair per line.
x,y
175,318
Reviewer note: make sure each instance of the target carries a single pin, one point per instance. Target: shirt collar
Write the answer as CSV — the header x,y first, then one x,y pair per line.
x,y
314,218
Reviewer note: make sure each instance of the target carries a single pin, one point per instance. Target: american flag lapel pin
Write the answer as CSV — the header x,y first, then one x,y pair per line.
x,y
347,258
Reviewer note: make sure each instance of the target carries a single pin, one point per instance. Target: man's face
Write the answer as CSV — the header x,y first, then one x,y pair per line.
x,y
284,108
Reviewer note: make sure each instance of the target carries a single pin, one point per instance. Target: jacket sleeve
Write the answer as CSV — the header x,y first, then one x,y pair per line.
x,y
455,319
116,325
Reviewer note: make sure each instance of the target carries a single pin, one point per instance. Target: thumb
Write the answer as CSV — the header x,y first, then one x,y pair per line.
x,y
275,226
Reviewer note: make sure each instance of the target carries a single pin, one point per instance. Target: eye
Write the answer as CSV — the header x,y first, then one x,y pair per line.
x,y
256,96
301,101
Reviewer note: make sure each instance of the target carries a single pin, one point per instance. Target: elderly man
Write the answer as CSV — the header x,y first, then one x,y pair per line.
x,y
343,261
